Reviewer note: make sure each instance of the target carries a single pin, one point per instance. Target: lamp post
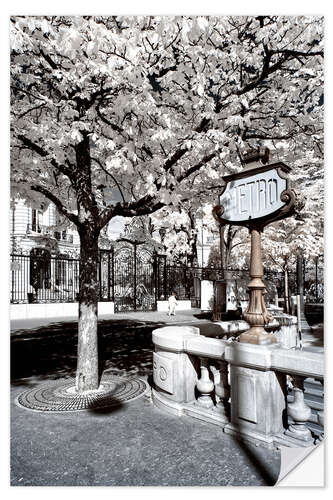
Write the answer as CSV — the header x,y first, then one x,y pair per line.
x,y
253,198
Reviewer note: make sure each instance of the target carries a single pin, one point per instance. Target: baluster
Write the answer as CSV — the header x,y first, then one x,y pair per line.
x,y
222,390
300,413
204,385
321,416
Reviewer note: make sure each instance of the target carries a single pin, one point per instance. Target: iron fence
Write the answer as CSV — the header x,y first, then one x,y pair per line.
x,y
135,278
38,277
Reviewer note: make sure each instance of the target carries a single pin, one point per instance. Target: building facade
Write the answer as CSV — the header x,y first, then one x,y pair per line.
x,y
44,255
206,239
32,228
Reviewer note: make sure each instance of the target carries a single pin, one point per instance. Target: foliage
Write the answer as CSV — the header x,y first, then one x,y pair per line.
x,y
164,103
123,116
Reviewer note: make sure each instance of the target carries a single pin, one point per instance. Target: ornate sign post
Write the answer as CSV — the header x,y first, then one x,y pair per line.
x,y
255,197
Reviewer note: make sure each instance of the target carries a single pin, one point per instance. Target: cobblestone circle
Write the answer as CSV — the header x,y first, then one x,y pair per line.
x,y
59,396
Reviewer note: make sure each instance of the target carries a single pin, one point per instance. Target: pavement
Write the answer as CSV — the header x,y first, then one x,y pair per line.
x,y
132,444
191,316
313,340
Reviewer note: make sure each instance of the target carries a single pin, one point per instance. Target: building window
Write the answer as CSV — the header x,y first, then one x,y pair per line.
x,y
36,220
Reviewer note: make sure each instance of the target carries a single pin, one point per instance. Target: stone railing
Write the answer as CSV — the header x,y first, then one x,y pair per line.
x,y
240,387
283,327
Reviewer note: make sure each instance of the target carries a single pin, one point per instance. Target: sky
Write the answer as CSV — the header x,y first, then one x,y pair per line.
x,y
116,226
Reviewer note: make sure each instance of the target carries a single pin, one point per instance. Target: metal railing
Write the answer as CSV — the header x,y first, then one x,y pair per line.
x,y
53,279
43,230
46,278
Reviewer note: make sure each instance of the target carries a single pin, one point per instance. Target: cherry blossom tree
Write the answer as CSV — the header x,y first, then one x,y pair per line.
x,y
155,109
301,235
178,226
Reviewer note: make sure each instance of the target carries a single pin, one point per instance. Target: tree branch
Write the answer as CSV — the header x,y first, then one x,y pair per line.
x,y
31,109
112,177
145,206
196,167
113,126
62,209
41,152
298,53
49,60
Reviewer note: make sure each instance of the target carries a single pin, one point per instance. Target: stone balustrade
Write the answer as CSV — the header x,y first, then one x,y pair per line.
x,y
283,327
240,387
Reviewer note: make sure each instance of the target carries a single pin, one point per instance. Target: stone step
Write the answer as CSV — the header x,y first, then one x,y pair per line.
x,y
314,400
311,382
314,389
315,428
315,405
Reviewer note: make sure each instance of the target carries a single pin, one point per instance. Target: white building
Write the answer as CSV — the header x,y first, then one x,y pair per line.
x,y
36,228
44,254
205,241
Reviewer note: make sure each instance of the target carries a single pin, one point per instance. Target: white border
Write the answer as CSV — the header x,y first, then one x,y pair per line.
x,y
286,7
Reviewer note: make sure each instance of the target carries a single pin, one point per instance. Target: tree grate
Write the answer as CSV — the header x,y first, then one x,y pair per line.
x,y
59,396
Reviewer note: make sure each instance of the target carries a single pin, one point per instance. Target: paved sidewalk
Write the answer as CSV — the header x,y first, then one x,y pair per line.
x,y
314,340
131,444
134,444
187,316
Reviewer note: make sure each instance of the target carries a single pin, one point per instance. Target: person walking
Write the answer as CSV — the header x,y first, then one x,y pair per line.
x,y
172,303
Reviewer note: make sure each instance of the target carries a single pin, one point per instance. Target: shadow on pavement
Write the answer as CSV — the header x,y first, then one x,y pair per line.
x,y
51,352
257,457
124,344
125,348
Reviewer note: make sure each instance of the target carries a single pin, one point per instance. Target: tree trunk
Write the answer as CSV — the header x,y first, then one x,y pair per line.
x,y
227,248
300,279
193,256
87,374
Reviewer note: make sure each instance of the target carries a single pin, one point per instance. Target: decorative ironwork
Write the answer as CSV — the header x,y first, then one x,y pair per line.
x,y
133,284
127,276
59,396
35,229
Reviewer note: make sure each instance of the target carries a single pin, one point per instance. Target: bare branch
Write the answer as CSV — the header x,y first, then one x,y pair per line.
x,y
31,109
49,60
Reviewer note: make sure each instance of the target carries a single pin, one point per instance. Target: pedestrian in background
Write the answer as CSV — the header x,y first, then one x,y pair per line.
x,y
172,303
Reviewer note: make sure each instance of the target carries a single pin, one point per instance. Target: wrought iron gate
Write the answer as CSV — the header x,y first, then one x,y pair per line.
x,y
128,277
134,276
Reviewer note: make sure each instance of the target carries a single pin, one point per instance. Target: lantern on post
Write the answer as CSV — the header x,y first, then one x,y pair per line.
x,y
255,197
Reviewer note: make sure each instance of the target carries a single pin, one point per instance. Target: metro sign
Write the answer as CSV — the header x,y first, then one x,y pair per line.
x,y
256,195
